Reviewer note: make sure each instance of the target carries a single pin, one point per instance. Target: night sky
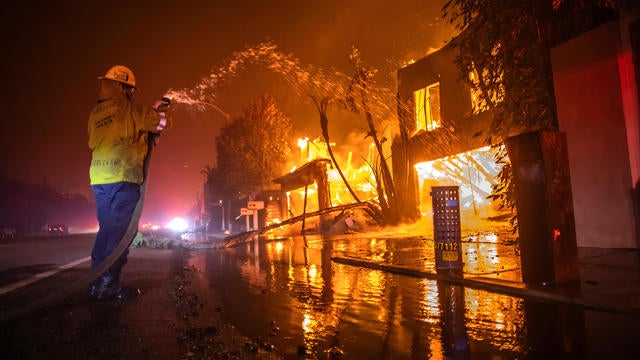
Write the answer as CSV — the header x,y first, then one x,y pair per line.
x,y
53,51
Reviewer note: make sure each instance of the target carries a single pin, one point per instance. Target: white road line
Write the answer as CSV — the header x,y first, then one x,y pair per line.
x,y
42,275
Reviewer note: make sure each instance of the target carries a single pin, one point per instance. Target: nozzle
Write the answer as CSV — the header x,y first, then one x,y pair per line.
x,y
168,96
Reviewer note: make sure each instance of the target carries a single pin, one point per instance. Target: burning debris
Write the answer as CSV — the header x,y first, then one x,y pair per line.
x,y
344,219
475,172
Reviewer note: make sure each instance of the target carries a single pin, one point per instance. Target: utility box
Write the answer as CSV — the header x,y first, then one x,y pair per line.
x,y
446,229
548,249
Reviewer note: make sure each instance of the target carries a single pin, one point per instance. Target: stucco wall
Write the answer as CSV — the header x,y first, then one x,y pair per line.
x,y
590,111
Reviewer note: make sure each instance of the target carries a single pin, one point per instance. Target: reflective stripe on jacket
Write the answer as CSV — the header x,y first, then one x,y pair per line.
x,y
118,133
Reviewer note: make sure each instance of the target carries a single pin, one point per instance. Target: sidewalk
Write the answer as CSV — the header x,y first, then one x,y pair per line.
x,y
610,277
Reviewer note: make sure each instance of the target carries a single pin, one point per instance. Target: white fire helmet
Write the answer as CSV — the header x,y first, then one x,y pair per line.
x,y
121,74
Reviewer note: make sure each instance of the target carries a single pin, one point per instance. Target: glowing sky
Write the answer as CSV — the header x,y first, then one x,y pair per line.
x,y
53,51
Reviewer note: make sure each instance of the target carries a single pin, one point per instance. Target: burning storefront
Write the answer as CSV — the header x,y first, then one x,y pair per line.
x,y
312,174
314,196
439,144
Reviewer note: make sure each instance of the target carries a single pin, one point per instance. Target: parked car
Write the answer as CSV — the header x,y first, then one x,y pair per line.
x,y
7,232
58,229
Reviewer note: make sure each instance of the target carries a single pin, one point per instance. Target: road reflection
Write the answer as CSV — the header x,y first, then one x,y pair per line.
x,y
321,308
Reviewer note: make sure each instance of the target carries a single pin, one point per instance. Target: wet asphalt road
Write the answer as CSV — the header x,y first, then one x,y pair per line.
x,y
287,299
168,321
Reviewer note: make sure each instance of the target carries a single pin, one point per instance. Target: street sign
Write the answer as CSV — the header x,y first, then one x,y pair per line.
x,y
255,205
245,211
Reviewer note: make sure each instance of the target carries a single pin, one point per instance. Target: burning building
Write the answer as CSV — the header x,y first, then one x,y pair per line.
x,y
595,79
438,143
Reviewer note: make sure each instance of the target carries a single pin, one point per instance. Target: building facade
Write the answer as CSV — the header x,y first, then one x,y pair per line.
x,y
596,87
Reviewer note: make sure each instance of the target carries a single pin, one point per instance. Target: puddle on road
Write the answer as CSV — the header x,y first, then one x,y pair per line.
x,y
289,293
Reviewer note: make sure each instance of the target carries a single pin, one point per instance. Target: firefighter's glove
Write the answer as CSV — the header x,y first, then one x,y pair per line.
x,y
162,105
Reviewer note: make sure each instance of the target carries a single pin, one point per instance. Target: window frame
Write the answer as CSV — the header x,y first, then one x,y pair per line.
x,y
427,115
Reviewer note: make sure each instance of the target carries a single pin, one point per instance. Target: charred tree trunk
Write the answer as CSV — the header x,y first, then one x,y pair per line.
x,y
387,180
359,87
324,124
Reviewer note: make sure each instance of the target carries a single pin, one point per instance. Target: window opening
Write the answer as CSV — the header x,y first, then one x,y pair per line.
x,y
427,107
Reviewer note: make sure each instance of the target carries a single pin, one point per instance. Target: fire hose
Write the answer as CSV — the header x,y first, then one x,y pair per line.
x,y
84,281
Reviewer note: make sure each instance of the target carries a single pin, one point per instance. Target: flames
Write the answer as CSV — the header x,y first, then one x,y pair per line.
x,y
357,172
474,172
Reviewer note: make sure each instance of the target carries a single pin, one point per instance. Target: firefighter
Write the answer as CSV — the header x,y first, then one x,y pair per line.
x,y
119,131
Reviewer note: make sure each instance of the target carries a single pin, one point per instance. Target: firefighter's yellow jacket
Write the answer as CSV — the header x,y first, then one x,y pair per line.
x,y
118,134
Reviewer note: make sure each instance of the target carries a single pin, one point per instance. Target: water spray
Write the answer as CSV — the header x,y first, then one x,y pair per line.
x,y
304,80
182,97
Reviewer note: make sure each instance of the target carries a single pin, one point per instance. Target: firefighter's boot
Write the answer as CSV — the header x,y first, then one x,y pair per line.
x,y
108,287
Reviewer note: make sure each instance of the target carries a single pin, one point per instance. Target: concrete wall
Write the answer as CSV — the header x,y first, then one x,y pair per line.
x,y
591,110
